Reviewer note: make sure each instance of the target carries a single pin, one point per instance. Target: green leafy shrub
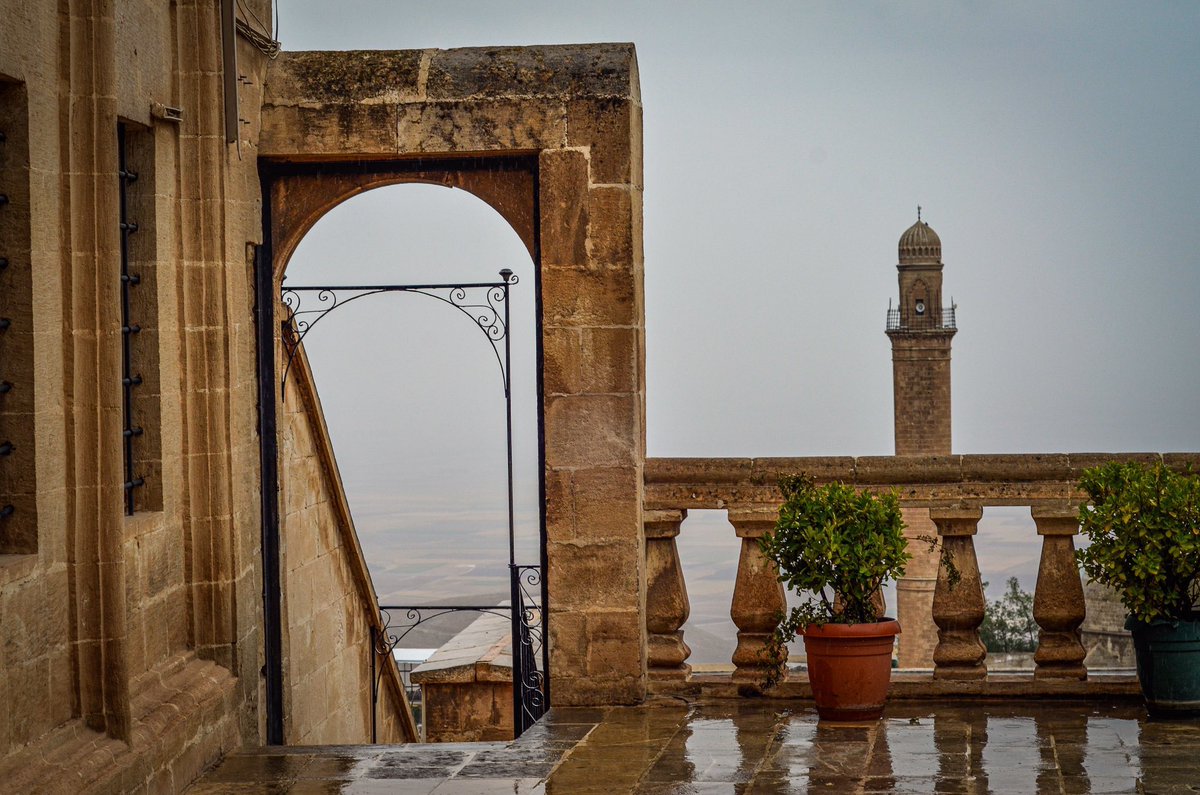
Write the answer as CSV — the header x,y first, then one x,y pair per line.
x,y
839,544
1143,523
1008,623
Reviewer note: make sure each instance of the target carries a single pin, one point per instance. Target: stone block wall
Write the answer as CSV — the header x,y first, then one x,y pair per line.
x,y
573,114
467,684
921,383
329,602
129,645
914,592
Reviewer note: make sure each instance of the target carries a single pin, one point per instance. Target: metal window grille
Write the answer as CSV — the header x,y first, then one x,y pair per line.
x,y
129,381
6,447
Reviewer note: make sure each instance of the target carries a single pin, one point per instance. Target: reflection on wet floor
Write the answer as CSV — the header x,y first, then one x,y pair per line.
x,y
759,746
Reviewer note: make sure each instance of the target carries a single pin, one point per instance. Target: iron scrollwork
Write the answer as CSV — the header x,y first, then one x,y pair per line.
x,y
529,681
485,303
385,639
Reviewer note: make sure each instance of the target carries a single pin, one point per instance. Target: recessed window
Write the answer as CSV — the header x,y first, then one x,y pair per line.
x,y
140,394
18,502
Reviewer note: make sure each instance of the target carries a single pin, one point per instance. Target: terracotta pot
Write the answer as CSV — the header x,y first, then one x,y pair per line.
x,y
849,668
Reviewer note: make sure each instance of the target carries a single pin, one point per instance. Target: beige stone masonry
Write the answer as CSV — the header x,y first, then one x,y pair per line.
x,y
758,596
332,623
466,684
551,138
958,602
1058,604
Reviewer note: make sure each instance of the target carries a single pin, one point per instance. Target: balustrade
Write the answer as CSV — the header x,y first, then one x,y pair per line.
x,y
667,605
758,597
1058,606
958,603
954,489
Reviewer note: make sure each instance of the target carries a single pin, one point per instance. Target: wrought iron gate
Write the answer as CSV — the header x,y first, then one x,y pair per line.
x,y
487,305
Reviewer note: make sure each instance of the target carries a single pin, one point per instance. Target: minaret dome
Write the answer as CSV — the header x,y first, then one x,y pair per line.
x,y
920,245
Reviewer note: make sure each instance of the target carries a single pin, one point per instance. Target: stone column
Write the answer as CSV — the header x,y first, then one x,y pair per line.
x,y
758,599
914,592
667,605
958,606
1058,605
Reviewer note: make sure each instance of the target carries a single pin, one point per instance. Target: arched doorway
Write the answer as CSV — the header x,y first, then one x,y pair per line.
x,y
550,137
352,345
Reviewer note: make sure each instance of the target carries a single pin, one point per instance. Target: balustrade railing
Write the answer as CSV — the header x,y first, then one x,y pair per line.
x,y
955,490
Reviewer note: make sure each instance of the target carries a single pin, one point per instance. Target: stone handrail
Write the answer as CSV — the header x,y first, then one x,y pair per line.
x,y
954,489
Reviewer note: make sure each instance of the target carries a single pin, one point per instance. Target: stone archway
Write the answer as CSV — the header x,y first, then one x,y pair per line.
x,y
551,138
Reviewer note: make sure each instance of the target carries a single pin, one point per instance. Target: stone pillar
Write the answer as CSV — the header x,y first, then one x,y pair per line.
x,y
958,606
914,592
593,321
667,605
1058,605
758,599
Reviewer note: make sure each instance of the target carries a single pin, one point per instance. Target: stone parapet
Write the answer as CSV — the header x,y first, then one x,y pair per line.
x,y
466,684
925,481
941,602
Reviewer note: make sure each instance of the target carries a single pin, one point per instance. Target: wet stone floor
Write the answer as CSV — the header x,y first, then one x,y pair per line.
x,y
757,746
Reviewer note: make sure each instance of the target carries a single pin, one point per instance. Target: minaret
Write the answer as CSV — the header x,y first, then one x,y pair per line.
x,y
920,330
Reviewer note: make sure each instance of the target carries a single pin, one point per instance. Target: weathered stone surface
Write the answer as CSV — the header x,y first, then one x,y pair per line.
x,y
592,430
1058,605
605,126
572,72
758,596
958,603
346,77
563,198
667,606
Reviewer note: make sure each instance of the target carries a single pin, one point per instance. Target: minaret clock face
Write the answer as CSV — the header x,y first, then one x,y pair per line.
x,y
920,307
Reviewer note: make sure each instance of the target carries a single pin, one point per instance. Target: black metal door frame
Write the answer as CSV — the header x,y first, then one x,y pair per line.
x,y
529,615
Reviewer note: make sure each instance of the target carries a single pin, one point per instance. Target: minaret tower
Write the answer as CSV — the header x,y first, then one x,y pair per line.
x,y
920,329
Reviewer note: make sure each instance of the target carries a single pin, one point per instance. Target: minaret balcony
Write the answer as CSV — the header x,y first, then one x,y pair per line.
x,y
934,320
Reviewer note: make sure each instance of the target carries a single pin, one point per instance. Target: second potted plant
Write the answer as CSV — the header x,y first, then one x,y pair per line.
x,y
1143,525
839,545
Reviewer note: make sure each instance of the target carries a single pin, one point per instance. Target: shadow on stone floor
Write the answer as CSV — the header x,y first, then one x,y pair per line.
x,y
760,746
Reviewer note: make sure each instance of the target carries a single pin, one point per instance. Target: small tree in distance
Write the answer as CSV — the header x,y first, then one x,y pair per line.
x,y
1008,624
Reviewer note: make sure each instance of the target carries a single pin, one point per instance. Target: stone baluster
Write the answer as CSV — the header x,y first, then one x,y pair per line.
x,y
667,605
1058,605
958,607
758,599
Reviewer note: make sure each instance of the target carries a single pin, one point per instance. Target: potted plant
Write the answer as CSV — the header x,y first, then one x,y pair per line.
x,y
838,545
1143,525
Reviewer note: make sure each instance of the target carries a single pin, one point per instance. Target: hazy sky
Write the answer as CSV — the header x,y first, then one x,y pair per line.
x,y
1054,147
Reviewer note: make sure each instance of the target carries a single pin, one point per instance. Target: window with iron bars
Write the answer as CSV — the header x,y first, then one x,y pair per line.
x,y
18,503
140,402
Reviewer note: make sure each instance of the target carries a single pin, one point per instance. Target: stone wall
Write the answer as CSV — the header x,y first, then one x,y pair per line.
x,y
467,684
1108,643
129,645
559,131
329,602
921,384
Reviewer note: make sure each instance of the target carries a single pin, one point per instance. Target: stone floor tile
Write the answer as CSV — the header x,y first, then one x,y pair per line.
x,y
256,768
491,786
411,786
752,747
